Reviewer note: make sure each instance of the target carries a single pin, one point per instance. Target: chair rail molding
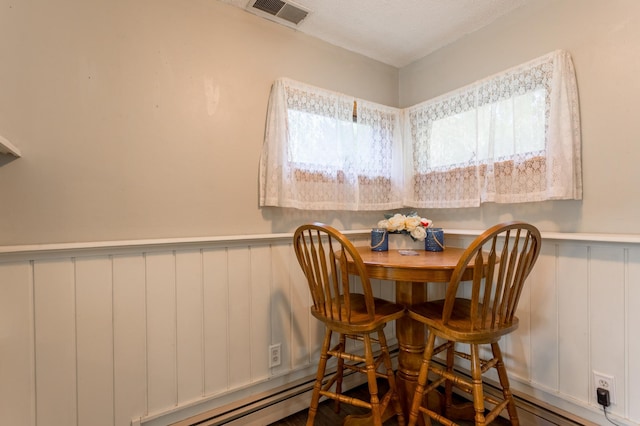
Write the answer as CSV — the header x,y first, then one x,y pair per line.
x,y
97,247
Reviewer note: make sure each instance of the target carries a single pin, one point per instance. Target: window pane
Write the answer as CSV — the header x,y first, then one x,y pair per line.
x,y
499,130
314,141
530,112
320,143
453,140
512,128
375,151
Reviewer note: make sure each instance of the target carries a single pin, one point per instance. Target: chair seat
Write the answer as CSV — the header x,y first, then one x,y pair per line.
x,y
459,325
385,311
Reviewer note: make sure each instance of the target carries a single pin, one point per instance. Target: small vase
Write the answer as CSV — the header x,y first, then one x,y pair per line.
x,y
434,240
379,239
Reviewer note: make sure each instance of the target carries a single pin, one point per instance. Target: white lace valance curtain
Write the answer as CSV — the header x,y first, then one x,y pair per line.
x,y
316,157
513,137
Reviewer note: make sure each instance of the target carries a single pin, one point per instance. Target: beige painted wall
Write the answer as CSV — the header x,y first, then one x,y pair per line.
x,y
145,119
603,39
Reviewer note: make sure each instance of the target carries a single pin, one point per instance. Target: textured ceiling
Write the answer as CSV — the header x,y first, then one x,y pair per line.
x,y
396,32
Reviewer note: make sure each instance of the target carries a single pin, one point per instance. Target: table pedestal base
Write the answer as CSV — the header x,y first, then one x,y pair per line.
x,y
411,336
411,273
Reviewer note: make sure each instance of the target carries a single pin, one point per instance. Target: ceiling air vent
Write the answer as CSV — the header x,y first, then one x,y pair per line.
x,y
286,11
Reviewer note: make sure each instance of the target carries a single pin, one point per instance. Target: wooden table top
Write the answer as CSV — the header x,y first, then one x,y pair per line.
x,y
426,266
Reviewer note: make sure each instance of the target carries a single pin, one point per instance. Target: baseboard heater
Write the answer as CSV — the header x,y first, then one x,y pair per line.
x,y
273,405
279,403
243,411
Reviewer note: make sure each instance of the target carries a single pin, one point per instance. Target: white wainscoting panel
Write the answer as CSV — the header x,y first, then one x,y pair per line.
x,y
189,326
573,313
129,337
94,340
632,346
216,321
17,351
56,360
154,331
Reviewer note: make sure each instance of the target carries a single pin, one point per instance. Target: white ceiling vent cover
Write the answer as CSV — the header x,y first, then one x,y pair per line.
x,y
285,11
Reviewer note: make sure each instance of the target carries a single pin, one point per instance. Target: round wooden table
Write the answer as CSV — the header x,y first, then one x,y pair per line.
x,y
411,273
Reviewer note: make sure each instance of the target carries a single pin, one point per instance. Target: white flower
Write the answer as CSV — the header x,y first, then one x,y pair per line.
x,y
396,222
412,222
418,233
384,224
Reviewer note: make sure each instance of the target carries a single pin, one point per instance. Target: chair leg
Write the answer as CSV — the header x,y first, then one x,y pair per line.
x,y
504,382
372,381
418,395
478,392
322,365
448,385
340,371
391,378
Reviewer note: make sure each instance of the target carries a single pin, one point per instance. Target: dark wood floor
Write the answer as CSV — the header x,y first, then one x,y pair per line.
x,y
328,417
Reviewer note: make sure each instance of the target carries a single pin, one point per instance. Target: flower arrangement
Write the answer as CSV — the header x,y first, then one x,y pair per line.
x,y
410,224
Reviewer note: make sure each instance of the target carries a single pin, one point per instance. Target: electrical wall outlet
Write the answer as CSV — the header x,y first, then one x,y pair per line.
x,y
604,381
274,355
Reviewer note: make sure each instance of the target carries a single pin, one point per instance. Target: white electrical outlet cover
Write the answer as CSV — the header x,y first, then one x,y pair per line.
x,y
605,381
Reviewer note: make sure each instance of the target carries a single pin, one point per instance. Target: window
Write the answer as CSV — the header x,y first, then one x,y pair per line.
x,y
454,138
318,155
513,137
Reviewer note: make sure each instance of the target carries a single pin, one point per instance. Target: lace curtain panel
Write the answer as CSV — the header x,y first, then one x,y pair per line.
x,y
316,156
513,137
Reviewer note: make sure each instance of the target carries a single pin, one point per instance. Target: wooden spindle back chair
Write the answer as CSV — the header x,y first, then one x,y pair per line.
x,y
328,259
502,258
